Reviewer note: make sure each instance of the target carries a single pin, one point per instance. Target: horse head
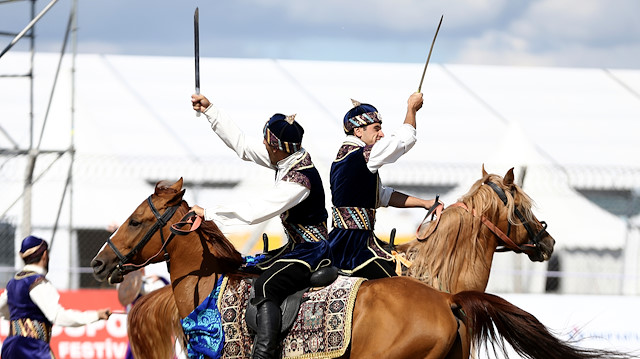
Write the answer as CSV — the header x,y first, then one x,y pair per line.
x,y
524,232
141,239
456,250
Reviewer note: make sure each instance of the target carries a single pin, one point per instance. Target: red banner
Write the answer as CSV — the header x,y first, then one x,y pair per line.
x,y
105,339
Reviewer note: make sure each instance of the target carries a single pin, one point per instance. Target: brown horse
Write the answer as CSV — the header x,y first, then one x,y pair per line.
x,y
456,251
393,318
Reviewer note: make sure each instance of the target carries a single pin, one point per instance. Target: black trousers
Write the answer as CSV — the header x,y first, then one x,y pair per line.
x,y
281,280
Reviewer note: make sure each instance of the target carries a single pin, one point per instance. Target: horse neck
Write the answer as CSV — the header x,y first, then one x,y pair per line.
x,y
457,256
475,269
194,271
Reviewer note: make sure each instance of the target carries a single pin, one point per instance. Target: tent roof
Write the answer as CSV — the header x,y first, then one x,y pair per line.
x,y
133,124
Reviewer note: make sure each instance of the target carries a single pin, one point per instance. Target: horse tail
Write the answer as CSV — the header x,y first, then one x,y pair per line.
x,y
491,319
153,324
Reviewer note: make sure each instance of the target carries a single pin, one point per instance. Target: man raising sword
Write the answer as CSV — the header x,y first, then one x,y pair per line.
x,y
297,197
356,189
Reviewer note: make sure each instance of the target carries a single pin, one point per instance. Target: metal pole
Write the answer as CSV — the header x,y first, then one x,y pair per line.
x,y
25,228
74,50
30,25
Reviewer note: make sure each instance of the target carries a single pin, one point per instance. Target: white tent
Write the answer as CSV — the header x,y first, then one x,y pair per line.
x,y
133,124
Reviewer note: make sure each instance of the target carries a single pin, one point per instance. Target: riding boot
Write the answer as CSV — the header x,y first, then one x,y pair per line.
x,y
266,341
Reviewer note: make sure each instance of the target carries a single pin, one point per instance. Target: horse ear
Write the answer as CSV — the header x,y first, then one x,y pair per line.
x,y
508,178
176,199
165,186
178,185
484,173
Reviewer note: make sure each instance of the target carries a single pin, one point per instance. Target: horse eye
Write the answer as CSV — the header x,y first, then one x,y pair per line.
x,y
133,223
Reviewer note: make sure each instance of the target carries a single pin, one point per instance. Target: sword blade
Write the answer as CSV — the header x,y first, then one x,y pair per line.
x,y
196,47
196,40
429,57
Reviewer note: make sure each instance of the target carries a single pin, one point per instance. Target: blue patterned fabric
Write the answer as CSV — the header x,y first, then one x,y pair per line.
x,y
361,115
203,328
251,261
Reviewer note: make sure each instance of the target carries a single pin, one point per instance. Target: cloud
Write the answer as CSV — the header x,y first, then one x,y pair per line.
x,y
600,33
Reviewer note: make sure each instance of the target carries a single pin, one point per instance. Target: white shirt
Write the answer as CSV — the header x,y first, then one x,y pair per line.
x,y
388,150
47,298
271,202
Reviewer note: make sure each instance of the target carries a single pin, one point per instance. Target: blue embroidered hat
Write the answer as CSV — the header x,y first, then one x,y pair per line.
x,y
362,114
284,133
31,245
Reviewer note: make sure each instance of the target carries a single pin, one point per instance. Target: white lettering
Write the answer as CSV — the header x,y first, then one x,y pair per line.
x,y
107,349
4,328
63,349
94,327
117,326
74,332
108,346
75,349
87,350
120,349
99,346
56,330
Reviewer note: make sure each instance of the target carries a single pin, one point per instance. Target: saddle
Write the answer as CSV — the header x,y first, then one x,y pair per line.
x,y
290,306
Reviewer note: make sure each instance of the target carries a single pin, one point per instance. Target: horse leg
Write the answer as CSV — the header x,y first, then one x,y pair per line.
x,y
401,318
461,348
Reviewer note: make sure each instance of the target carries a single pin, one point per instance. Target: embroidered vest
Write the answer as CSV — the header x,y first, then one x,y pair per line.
x,y
20,304
307,221
352,184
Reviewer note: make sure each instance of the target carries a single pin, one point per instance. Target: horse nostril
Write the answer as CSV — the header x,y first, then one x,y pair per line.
x,y
96,263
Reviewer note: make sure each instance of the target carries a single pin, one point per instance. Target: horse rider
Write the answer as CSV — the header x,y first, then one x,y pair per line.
x,y
356,189
32,305
297,196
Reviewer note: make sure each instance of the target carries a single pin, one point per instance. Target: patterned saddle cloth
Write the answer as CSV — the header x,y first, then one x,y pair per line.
x,y
321,330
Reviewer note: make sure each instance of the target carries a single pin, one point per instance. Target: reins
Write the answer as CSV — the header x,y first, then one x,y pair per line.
x,y
509,244
434,212
161,221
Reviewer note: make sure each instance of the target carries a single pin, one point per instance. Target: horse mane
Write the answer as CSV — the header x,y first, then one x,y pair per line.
x,y
226,253
454,243
228,257
152,319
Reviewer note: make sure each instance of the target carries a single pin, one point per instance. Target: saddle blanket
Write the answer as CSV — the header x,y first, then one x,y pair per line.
x,y
321,330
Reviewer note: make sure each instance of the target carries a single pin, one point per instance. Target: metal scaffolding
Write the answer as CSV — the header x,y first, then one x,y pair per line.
x,y
33,150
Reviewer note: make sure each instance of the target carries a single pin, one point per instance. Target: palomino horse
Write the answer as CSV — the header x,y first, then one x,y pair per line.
x,y
455,252
392,318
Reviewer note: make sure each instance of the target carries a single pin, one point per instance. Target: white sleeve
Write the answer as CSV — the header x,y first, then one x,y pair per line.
x,y
234,138
283,196
384,195
47,298
4,307
389,148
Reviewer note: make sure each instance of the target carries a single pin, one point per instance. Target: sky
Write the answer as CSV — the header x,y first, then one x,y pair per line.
x,y
559,33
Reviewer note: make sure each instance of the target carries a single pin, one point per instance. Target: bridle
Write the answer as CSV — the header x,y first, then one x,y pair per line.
x,y
534,238
191,218
508,243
